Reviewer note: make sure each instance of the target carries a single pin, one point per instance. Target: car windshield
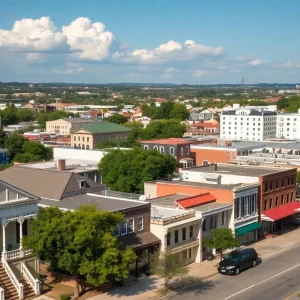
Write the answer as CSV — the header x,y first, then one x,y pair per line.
x,y
232,256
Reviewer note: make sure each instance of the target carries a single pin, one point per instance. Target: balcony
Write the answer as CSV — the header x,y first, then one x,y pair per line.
x,y
16,254
183,245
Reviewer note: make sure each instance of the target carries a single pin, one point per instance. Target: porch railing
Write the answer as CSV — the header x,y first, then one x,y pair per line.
x,y
35,283
14,254
1,293
13,279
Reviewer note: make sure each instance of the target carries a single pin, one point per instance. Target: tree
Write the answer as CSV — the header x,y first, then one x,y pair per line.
x,y
118,119
164,110
37,149
127,170
168,266
298,178
80,243
9,115
179,111
221,239
14,144
163,129
2,138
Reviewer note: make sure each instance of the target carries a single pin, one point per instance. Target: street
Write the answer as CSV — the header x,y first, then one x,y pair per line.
x,y
273,279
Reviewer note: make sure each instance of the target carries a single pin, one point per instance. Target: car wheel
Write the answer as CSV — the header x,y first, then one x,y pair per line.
x,y
237,271
254,263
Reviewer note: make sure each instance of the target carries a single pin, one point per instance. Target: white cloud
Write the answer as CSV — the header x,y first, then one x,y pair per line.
x,y
255,62
32,35
198,73
288,65
171,51
171,70
92,40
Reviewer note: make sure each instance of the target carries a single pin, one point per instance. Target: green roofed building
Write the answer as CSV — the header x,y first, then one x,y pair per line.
x,y
89,136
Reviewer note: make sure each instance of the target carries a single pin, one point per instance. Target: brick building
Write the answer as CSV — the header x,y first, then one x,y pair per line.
x,y
277,188
180,148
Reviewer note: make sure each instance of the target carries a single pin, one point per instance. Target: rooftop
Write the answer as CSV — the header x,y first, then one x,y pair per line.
x,y
49,184
200,184
253,112
236,170
104,127
102,202
196,200
160,213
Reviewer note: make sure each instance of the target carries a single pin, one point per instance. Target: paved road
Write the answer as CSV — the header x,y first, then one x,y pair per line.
x,y
273,279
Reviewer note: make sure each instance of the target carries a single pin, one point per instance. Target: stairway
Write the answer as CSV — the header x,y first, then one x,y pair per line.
x,y
10,292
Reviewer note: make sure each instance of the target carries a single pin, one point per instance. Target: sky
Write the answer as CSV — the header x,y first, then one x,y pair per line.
x,y
157,41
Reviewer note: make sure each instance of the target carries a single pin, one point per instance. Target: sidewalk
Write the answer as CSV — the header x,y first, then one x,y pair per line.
x,y
148,287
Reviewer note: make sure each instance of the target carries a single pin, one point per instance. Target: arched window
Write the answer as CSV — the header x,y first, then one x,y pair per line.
x,y
171,150
83,146
187,150
161,149
87,147
146,147
205,163
155,148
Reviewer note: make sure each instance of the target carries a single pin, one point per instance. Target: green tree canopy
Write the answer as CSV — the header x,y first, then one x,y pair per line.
x,y
3,137
127,170
221,239
118,119
179,111
80,243
168,266
14,144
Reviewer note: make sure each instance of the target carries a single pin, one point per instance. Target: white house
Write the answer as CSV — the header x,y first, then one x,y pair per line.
x,y
288,126
17,209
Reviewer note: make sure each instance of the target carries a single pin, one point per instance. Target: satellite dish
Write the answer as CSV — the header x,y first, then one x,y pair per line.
x,y
143,198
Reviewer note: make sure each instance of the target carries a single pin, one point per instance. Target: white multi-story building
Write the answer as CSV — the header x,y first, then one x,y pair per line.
x,y
248,124
288,126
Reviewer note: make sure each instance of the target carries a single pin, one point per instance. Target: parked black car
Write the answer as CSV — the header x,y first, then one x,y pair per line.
x,y
238,260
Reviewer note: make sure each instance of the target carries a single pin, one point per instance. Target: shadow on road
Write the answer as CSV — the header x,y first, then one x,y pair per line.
x,y
191,284
259,261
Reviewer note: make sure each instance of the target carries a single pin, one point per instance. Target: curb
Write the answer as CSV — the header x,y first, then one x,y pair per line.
x,y
293,296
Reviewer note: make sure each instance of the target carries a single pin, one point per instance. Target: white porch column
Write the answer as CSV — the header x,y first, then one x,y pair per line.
x,y
21,221
199,256
4,254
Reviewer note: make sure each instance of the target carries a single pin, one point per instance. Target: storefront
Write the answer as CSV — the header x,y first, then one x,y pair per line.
x,y
278,218
247,233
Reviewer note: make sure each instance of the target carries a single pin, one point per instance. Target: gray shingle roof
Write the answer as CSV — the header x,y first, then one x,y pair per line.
x,y
47,183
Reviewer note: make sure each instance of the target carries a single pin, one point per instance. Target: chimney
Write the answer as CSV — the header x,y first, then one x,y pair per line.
x,y
61,164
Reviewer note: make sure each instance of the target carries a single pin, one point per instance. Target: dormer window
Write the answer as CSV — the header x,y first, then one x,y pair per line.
x,y
82,184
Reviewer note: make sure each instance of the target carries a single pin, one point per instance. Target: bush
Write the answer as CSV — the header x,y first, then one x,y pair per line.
x,y
65,297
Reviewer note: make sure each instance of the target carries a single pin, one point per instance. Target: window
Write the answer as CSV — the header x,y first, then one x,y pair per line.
x,y
161,149
277,185
83,138
266,187
238,208
88,139
171,150
130,226
117,231
155,148
74,138
140,223
146,147
168,238
288,181
123,228
265,205
204,225
79,139
190,253
288,197
292,180
282,199
292,196
276,201
87,147
181,150
183,234
211,222
271,186
271,202
282,183
176,237
191,232
223,218
187,150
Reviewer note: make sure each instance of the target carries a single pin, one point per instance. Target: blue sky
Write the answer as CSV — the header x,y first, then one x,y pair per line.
x,y
193,42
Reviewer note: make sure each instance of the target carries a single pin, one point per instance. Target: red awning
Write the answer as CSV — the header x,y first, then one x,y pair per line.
x,y
281,212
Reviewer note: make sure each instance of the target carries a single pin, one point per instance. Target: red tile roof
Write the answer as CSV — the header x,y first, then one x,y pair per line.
x,y
272,99
282,211
196,200
205,125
